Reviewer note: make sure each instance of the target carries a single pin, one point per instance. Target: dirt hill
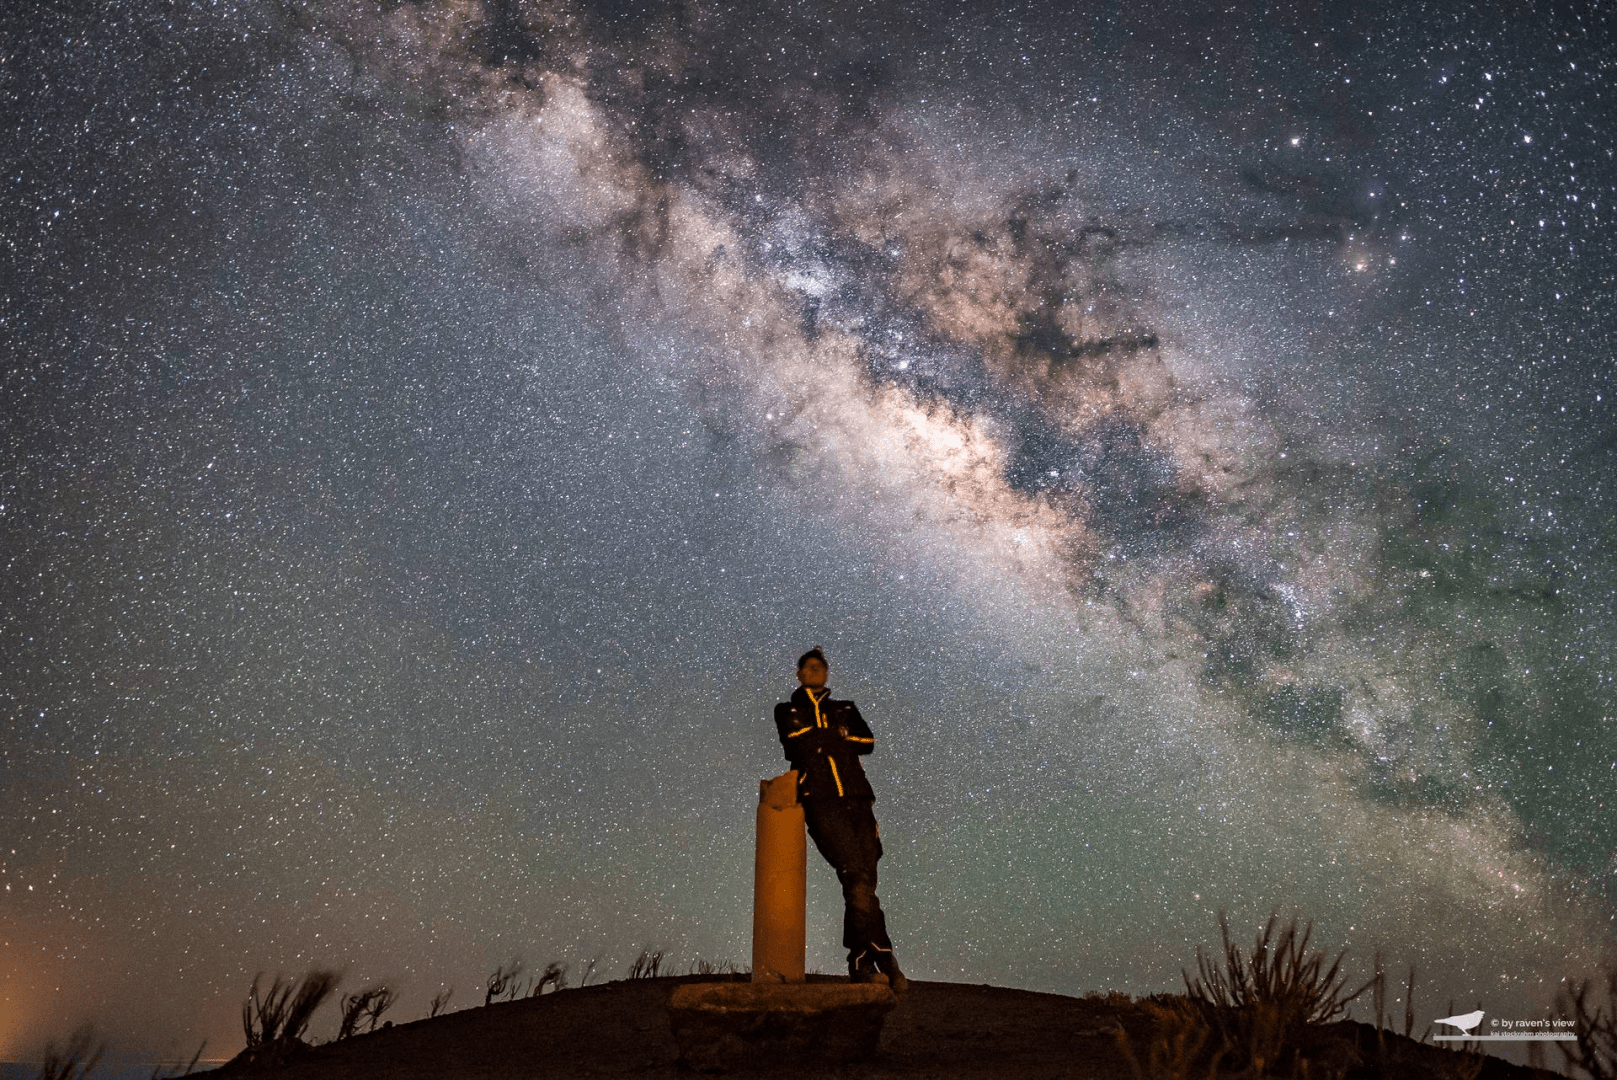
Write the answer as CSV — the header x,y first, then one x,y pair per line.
x,y
938,1030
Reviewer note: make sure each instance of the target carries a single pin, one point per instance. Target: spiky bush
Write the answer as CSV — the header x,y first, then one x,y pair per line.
x,y
76,1057
1184,1046
274,1022
554,976
1595,1052
364,1007
1259,1002
700,966
646,965
503,981
1279,971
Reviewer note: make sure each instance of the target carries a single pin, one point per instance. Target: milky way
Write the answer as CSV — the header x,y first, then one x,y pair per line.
x,y
432,432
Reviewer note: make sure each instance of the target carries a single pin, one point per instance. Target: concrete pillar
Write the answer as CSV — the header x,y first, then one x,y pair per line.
x,y
779,883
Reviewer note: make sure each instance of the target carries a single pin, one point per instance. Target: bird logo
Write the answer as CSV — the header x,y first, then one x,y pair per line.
x,y
1465,1021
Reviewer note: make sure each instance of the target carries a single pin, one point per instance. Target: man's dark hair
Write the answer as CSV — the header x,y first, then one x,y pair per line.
x,y
813,654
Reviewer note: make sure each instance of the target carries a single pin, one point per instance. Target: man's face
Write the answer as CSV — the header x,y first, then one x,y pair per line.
x,y
813,673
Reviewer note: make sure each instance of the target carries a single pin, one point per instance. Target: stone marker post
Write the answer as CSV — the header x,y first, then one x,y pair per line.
x,y
769,1022
779,883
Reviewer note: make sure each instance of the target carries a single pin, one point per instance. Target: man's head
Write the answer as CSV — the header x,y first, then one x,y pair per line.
x,y
812,668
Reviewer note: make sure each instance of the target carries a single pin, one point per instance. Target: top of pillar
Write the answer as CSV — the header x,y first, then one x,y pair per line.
x,y
779,792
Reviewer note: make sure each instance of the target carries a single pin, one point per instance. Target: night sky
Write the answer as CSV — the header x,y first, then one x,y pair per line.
x,y
429,433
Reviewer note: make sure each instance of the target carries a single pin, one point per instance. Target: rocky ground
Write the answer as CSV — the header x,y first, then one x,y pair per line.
x,y
937,1030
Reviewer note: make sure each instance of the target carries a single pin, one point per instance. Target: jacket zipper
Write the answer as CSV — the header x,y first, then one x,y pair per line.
x,y
819,720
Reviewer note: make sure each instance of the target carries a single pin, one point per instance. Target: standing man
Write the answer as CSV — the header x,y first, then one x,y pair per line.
x,y
823,738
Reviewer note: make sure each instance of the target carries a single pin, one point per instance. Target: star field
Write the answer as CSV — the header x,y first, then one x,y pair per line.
x,y
429,432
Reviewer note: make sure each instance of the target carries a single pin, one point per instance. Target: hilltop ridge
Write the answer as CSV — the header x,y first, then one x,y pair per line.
x,y
938,1030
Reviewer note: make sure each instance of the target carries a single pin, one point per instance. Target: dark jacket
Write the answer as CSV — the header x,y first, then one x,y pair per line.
x,y
823,741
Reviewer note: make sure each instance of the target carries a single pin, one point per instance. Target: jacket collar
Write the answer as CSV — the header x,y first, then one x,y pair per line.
x,y
800,696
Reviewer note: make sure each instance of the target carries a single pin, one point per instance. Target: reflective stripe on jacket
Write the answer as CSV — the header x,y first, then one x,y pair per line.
x,y
823,739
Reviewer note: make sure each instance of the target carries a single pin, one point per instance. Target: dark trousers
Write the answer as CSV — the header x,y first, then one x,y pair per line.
x,y
845,832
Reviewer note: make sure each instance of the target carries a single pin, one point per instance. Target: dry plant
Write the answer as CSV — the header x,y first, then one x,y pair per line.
x,y
708,967
1458,1063
1115,998
1378,1000
76,1058
276,1021
502,981
1258,1003
1595,1052
1409,1008
646,965
554,975
365,1006
1184,1047
1280,971
1378,995
589,971
440,1001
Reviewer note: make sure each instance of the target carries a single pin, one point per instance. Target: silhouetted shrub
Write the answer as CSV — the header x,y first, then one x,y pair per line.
x,y
1595,1052
1115,999
274,1023
1184,1045
1258,1003
1280,971
440,1001
554,975
1378,996
365,1006
646,965
700,966
503,980
76,1058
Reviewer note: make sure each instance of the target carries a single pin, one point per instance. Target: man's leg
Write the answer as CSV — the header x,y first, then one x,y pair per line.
x,y
845,832
864,924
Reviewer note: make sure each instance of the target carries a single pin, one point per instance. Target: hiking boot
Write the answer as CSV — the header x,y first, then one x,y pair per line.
x,y
863,971
893,977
